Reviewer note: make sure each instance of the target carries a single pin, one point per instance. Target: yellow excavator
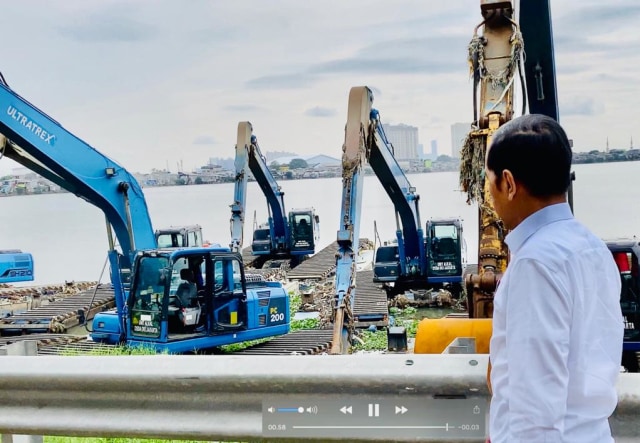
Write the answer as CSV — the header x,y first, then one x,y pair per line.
x,y
497,63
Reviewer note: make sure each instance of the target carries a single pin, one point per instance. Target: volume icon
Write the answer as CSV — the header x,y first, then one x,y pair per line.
x,y
312,409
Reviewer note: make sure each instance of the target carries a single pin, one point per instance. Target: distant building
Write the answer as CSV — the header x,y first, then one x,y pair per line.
x,y
404,139
459,132
421,155
434,149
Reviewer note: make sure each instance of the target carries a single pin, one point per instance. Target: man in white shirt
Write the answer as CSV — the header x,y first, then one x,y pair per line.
x,y
557,336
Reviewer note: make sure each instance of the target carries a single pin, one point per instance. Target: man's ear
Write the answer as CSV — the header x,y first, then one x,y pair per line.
x,y
510,183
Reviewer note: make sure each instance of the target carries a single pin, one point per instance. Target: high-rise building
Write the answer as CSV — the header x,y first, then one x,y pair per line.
x,y
404,139
459,132
434,149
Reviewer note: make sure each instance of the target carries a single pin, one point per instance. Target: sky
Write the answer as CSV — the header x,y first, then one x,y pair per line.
x,y
154,83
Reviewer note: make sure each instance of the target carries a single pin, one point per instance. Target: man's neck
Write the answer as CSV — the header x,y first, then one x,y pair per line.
x,y
532,205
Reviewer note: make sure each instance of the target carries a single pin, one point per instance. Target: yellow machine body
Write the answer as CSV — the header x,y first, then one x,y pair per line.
x,y
435,334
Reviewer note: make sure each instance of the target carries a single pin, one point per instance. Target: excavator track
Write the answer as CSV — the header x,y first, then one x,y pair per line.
x,y
43,339
60,315
370,305
302,342
318,267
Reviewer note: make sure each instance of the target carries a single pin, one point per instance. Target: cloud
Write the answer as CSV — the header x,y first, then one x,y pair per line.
x,y
283,81
583,106
432,55
243,108
204,140
601,17
319,111
110,26
438,54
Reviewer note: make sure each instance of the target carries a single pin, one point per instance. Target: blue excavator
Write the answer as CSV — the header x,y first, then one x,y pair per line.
x,y
15,266
418,259
432,258
179,297
286,236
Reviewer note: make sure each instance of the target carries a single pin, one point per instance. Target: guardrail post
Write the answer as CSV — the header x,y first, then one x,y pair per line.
x,y
461,345
26,347
23,348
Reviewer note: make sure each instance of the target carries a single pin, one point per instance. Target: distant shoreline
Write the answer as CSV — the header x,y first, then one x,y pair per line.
x,y
582,158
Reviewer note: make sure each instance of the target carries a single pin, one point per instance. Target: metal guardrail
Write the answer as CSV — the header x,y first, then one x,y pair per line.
x,y
223,397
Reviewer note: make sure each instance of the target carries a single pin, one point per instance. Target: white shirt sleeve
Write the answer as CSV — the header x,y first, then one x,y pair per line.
x,y
538,315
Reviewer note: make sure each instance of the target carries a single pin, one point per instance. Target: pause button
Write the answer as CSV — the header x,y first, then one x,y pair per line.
x,y
374,409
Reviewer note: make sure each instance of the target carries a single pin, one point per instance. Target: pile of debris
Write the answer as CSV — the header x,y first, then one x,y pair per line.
x,y
424,299
21,294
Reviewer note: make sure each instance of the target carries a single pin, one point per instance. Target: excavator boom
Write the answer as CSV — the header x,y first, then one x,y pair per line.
x,y
285,235
41,144
356,135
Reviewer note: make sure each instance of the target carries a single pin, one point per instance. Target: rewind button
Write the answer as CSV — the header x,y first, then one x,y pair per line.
x,y
346,410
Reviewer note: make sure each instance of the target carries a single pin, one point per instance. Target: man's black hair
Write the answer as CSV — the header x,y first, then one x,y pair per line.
x,y
536,150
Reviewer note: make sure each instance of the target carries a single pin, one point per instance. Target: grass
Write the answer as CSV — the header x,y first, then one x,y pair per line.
x,y
114,350
49,439
377,340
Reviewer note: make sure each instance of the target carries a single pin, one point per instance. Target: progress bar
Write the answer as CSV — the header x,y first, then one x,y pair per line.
x,y
446,427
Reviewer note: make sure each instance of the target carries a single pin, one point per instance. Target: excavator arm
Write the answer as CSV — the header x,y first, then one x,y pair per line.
x,y
240,189
496,58
365,140
278,240
249,158
38,142
410,236
33,139
357,135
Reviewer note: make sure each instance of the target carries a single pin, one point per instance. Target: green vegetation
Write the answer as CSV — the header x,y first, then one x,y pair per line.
x,y
408,317
298,163
371,341
114,350
111,440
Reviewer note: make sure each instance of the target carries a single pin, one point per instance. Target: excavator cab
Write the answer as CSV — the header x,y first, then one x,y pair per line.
x,y
179,236
305,231
386,264
196,298
261,244
15,266
446,250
